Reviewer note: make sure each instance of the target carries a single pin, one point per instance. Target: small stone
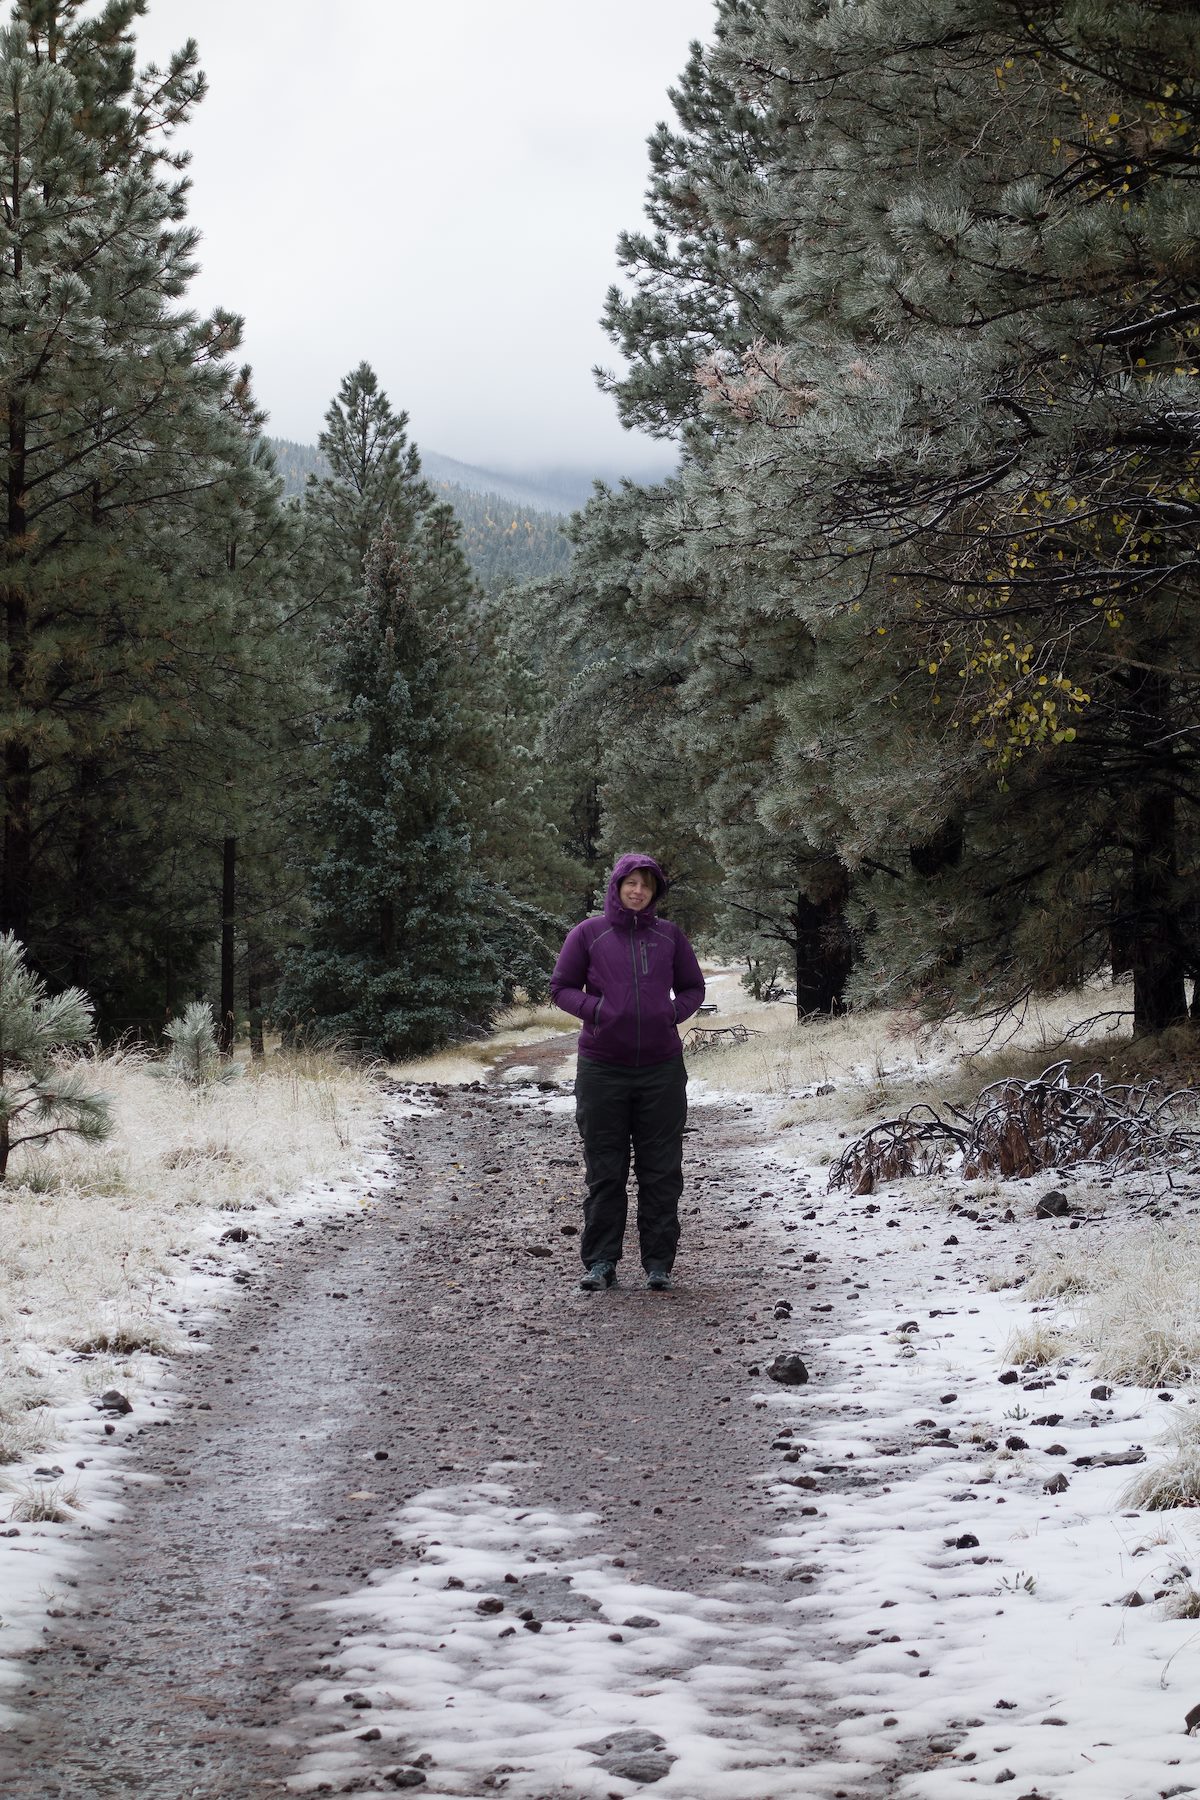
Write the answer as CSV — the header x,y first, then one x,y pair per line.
x,y
371,1736
406,1778
569,1230
538,1250
1053,1205
948,1399
237,1234
114,1401
358,1701
950,1240
1057,1484
789,1370
381,1456
1133,1599
1015,1443
968,1541
826,1087
1006,1775
533,1624
1101,1392
1009,1377
640,1765
640,1622
489,1604
619,1743
1192,1719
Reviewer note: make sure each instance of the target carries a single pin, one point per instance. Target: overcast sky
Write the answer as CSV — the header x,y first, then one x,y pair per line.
x,y
436,188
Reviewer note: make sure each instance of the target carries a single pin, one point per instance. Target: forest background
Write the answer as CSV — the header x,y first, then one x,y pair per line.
x,y
897,673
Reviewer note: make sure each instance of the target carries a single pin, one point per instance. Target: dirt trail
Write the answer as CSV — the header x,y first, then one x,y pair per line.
x,y
411,1344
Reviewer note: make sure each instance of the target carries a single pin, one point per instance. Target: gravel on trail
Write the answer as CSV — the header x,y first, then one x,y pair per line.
x,y
374,1354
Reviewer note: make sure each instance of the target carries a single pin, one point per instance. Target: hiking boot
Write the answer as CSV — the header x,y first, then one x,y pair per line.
x,y
659,1280
600,1275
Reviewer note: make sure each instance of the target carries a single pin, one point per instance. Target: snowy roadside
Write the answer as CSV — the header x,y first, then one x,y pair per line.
x,y
951,1529
961,1513
116,1272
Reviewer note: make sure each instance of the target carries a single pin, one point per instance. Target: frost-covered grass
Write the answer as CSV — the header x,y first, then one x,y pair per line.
x,y
1129,1298
891,1059
92,1235
1175,1480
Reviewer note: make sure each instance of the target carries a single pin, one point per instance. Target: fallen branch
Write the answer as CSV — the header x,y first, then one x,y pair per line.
x,y
1017,1128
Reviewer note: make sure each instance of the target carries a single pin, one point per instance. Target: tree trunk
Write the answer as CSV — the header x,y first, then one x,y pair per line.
x,y
822,947
258,1051
15,882
83,898
1148,922
228,1019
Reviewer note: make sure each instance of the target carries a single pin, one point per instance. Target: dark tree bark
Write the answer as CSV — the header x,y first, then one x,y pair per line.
x,y
16,880
823,954
1147,922
228,1019
254,1006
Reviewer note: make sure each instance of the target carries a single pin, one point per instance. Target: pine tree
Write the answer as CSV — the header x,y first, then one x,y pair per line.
x,y
128,449
397,959
41,1098
374,479
984,389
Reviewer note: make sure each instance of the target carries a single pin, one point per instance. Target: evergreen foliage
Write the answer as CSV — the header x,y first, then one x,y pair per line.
x,y
397,959
194,1056
133,644
40,1098
919,294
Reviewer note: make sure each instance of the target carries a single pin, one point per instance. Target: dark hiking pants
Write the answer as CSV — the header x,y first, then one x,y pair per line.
x,y
643,1111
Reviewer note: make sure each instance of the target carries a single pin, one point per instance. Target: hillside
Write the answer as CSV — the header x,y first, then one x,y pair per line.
x,y
511,533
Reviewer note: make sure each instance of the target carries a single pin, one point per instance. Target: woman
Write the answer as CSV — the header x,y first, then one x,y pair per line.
x,y
633,979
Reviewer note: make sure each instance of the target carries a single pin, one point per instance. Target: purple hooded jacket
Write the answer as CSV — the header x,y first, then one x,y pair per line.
x,y
631,977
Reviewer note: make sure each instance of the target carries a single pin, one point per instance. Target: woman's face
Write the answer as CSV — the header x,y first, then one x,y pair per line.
x,y
637,890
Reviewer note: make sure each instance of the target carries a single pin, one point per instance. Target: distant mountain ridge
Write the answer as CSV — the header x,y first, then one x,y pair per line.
x,y
510,532
558,492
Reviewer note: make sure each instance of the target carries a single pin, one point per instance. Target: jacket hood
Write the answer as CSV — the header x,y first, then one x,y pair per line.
x,y
619,915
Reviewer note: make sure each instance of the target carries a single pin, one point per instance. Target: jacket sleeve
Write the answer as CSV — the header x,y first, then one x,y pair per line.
x,y
687,981
570,973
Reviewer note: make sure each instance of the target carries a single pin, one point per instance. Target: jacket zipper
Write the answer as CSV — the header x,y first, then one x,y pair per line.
x,y
637,1000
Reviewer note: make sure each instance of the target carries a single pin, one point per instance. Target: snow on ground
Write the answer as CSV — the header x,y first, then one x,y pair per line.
x,y
512,1659
116,1275
971,1553
962,1598
965,1598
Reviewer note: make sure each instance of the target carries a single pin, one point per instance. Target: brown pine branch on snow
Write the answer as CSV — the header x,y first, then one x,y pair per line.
x,y
1017,1128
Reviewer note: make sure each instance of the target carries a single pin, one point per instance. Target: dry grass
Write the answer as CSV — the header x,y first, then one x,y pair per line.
x,y
1132,1301
38,1503
1176,1480
90,1234
891,1059
1033,1346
